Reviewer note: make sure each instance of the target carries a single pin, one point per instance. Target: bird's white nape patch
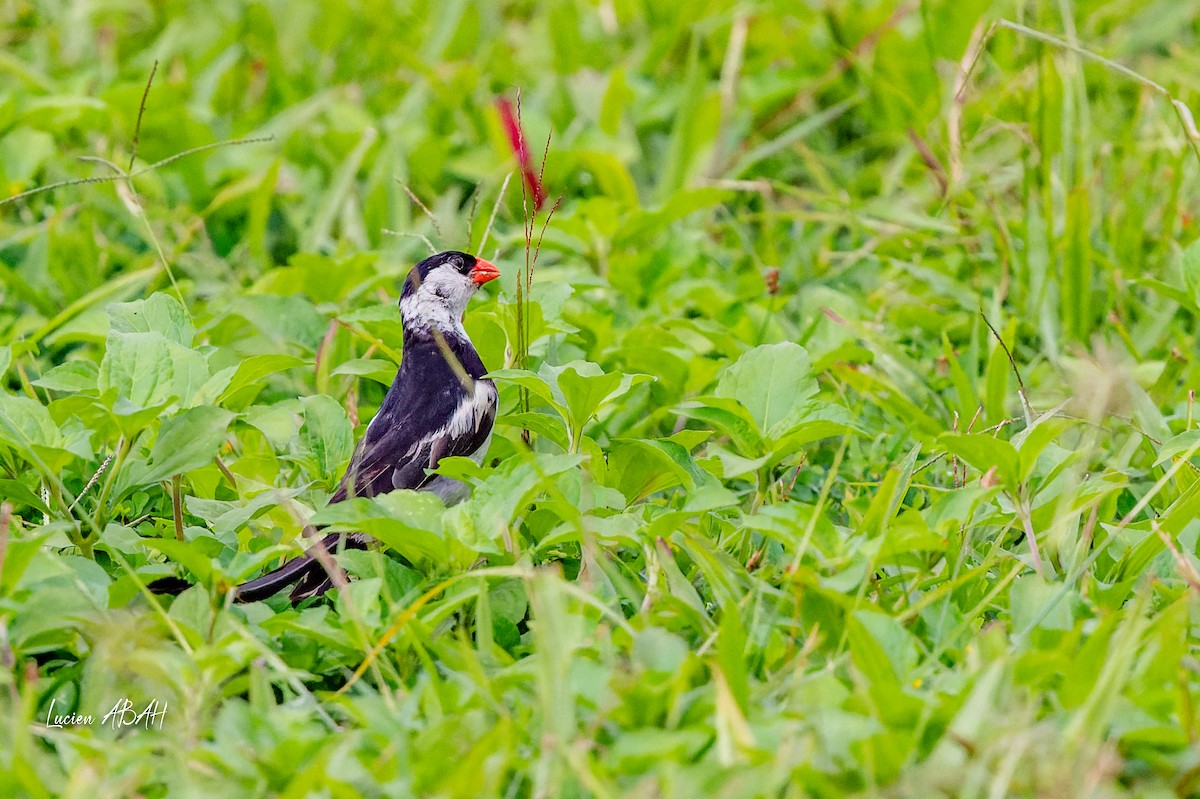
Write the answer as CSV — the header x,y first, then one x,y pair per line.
x,y
439,301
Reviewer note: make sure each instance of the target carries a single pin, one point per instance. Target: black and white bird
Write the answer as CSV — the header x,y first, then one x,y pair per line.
x,y
439,406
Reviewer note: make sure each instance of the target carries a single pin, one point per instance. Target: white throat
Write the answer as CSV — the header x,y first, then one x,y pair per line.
x,y
422,311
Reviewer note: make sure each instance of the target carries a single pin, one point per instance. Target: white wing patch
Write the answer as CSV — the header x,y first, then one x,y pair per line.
x,y
468,416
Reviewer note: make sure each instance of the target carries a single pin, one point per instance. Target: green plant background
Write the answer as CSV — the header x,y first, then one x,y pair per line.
x,y
775,534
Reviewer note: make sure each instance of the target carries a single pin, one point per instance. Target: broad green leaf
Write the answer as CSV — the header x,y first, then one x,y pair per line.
x,y
1033,440
984,453
658,651
616,98
144,370
836,423
1186,443
249,371
327,434
72,376
868,656
27,424
536,384
772,382
23,150
1030,597
377,369
483,521
577,390
159,313
187,441
639,468
585,389
20,494
543,424
17,556
189,554
292,320
225,517
730,417
734,465
409,522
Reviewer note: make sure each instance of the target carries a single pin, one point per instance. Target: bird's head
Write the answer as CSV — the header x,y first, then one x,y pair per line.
x,y
437,290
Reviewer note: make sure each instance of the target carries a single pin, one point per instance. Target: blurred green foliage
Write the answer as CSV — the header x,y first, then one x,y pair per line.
x,y
774,536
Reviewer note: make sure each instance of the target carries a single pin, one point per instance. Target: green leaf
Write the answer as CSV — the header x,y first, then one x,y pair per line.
x,y
730,417
1191,269
810,430
72,376
772,382
536,384
187,441
23,151
17,557
227,517
145,370
1033,440
616,98
327,434
868,656
189,554
1186,443
984,453
26,425
159,313
731,654
545,425
483,521
659,651
639,468
586,388
20,494
377,369
409,522
577,390
249,371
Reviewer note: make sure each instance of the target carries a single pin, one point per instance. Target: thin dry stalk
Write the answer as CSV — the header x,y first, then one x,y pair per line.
x,y
1034,552
424,208
432,250
92,481
123,174
6,509
731,68
1030,414
487,231
954,115
177,505
137,127
1186,569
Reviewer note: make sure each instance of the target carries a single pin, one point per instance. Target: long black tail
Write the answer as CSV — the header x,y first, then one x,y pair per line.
x,y
306,572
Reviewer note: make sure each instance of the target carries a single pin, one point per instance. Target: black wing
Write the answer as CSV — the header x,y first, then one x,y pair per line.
x,y
439,406
432,411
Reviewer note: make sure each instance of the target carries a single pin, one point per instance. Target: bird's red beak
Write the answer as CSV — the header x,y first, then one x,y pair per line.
x,y
483,272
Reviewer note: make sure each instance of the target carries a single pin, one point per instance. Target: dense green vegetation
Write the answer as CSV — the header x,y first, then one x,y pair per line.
x,y
791,523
